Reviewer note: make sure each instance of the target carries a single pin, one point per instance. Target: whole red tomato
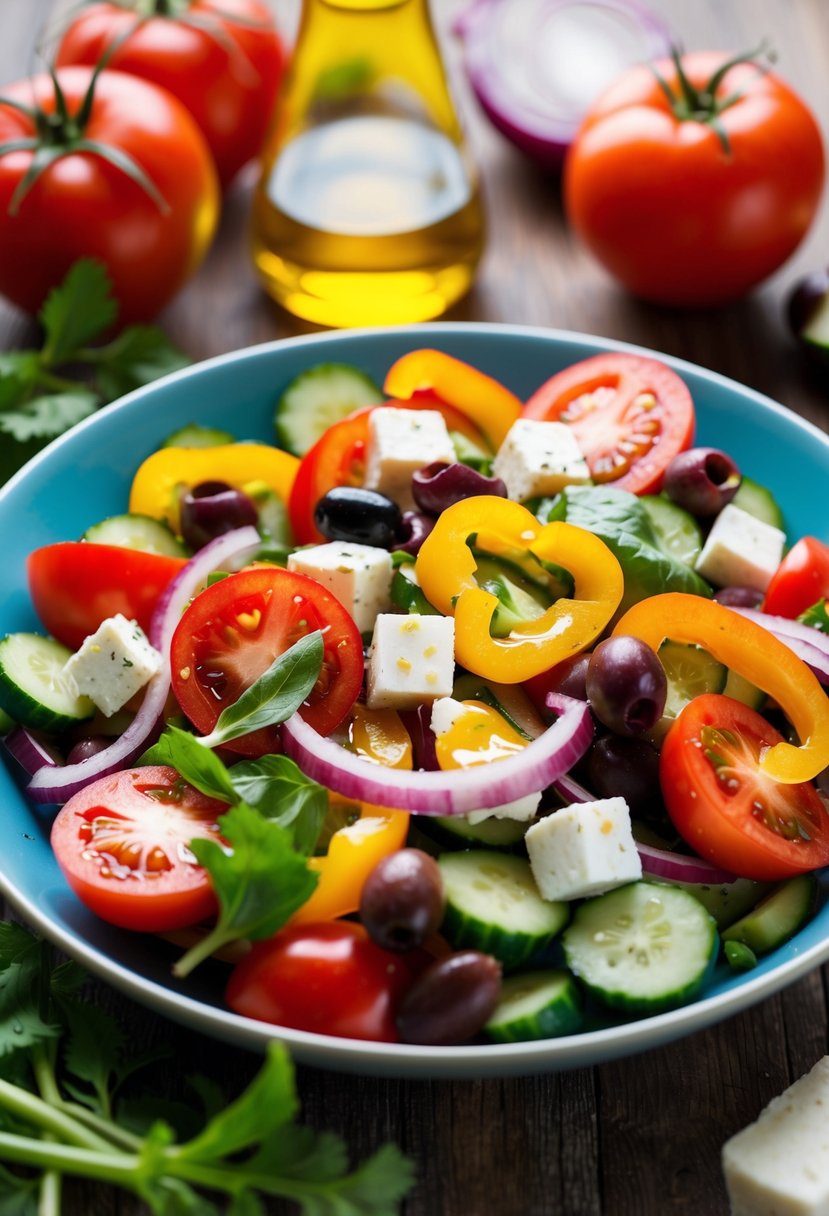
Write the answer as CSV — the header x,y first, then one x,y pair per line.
x,y
83,204
223,59
695,202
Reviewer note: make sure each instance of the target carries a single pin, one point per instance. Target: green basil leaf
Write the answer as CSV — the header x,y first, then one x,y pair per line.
x,y
77,311
281,792
197,764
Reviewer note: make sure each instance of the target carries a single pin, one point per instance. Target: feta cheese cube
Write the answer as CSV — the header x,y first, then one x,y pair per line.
x,y
359,576
740,550
539,458
779,1165
411,660
113,664
399,443
583,850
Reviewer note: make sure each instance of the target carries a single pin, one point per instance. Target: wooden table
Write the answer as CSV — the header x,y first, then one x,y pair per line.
x,y
642,1136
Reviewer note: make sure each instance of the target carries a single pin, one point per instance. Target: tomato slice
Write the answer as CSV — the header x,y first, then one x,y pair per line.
x,y
801,579
76,584
329,978
233,631
726,809
123,846
631,416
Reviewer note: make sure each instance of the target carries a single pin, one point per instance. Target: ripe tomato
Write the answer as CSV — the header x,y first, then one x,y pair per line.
x,y
82,205
223,60
328,978
801,579
233,631
123,846
75,585
726,809
678,214
631,416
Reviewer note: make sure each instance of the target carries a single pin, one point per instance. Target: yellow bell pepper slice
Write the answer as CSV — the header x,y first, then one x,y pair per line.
x,y
159,480
754,653
490,405
446,566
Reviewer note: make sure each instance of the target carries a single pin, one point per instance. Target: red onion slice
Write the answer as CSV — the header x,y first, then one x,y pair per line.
x,y
56,785
446,793
808,644
30,752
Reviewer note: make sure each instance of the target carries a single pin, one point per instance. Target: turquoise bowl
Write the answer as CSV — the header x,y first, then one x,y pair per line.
x,y
85,476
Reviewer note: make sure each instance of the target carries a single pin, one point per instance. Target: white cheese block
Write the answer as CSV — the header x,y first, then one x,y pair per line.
x,y
740,550
359,576
411,660
779,1166
113,664
583,850
539,458
399,443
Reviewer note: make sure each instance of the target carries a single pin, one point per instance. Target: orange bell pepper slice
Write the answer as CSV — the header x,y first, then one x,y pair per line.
x,y
757,655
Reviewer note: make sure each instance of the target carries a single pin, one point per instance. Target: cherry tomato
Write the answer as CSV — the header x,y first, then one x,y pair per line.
x,y
725,808
630,415
801,579
75,585
233,631
223,60
83,205
694,203
122,844
328,978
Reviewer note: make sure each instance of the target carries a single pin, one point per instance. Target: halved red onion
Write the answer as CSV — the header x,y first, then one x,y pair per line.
x,y
537,65
30,752
808,644
446,793
56,785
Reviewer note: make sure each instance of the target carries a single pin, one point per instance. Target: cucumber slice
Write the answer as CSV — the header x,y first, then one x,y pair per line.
x,y
777,917
490,833
274,527
690,671
467,452
536,1005
195,436
136,532
727,902
643,947
316,399
741,689
6,723
33,688
406,593
759,502
493,905
677,532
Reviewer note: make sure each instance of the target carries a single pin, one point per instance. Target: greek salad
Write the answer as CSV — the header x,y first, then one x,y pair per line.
x,y
449,717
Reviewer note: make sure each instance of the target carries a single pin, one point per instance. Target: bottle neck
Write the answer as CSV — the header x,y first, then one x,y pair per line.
x,y
366,6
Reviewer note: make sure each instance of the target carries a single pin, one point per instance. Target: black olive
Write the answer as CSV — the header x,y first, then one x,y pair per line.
x,y
362,517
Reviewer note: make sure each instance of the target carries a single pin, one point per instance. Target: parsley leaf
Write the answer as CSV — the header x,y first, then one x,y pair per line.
x,y
197,764
280,791
138,355
817,616
77,311
48,416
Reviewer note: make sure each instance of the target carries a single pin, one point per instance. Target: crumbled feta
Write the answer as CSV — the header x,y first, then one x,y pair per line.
x,y
779,1165
583,850
399,443
359,576
411,660
113,663
539,458
740,550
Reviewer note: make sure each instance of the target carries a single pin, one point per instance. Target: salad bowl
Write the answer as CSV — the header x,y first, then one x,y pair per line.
x,y
85,476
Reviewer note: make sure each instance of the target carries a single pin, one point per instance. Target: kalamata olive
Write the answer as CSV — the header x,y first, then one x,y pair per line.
x,y
362,517
402,900
451,1000
85,749
702,481
439,485
626,685
414,529
808,316
619,766
567,677
212,508
739,597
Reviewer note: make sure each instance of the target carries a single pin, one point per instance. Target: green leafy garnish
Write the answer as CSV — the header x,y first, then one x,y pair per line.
x,y
61,1113
39,399
817,616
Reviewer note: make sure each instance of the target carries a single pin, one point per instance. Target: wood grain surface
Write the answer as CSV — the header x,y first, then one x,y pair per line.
x,y
642,1136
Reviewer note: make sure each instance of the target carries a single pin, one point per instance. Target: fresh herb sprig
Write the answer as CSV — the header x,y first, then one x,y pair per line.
x,y
45,391
62,1066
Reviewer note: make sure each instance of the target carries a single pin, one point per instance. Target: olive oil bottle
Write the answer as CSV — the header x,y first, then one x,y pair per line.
x,y
368,210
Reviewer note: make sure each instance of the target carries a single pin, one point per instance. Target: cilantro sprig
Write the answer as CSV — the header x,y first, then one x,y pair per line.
x,y
45,391
62,1113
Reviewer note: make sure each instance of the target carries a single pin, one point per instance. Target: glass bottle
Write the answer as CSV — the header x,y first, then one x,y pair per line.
x,y
368,210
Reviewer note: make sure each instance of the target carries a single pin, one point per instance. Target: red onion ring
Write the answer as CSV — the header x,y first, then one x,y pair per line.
x,y
446,793
30,752
808,644
56,785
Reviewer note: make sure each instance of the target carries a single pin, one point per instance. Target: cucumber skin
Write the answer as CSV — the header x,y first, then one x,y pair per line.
x,y
512,949
564,1015
754,930
22,707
